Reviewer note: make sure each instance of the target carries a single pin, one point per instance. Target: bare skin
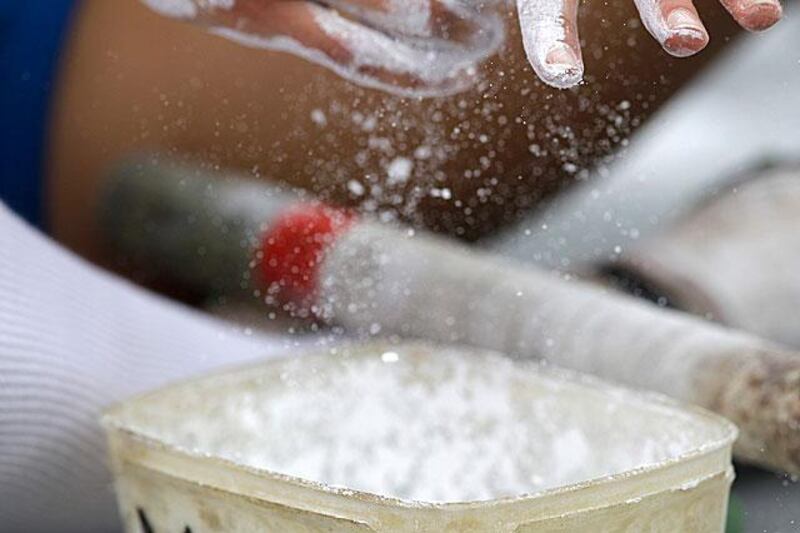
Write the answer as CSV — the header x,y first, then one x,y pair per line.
x,y
133,81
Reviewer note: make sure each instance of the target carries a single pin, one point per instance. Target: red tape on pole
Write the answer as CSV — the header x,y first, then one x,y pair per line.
x,y
294,247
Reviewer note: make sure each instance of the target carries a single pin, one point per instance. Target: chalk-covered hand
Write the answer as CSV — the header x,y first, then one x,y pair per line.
x,y
550,33
415,47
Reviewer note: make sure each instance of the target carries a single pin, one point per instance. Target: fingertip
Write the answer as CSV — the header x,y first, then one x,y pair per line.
x,y
562,67
758,15
685,43
563,78
686,34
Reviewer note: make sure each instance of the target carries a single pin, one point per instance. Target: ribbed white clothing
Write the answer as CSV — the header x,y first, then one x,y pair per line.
x,y
74,339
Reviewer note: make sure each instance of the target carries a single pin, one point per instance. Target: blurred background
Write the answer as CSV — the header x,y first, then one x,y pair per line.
x,y
589,182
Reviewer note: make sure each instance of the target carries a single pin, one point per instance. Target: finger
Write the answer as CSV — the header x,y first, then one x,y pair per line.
x,y
404,17
755,15
675,24
418,64
286,26
362,54
181,9
550,36
449,20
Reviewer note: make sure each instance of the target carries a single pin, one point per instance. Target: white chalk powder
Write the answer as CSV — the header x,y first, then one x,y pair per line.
x,y
399,170
426,425
173,8
187,9
543,27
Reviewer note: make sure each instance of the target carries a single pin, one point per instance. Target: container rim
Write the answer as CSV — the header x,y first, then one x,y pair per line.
x,y
691,460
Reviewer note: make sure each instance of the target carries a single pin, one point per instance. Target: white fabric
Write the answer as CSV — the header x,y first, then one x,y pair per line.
x,y
74,339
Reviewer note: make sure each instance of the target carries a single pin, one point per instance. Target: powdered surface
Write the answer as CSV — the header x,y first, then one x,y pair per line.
x,y
436,427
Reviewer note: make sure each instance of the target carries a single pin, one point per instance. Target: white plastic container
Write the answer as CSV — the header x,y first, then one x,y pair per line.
x,y
168,480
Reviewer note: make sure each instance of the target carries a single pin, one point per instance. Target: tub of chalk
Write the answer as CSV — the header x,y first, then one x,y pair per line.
x,y
415,437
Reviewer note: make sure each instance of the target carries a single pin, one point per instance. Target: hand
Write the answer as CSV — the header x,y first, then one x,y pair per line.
x,y
417,47
550,33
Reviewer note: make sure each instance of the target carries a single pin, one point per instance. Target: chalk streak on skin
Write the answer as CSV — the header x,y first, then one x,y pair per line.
x,y
183,9
405,17
434,65
187,9
653,19
439,86
442,66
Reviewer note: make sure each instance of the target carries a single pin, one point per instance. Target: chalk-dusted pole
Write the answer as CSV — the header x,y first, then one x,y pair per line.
x,y
380,278
185,222
373,279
